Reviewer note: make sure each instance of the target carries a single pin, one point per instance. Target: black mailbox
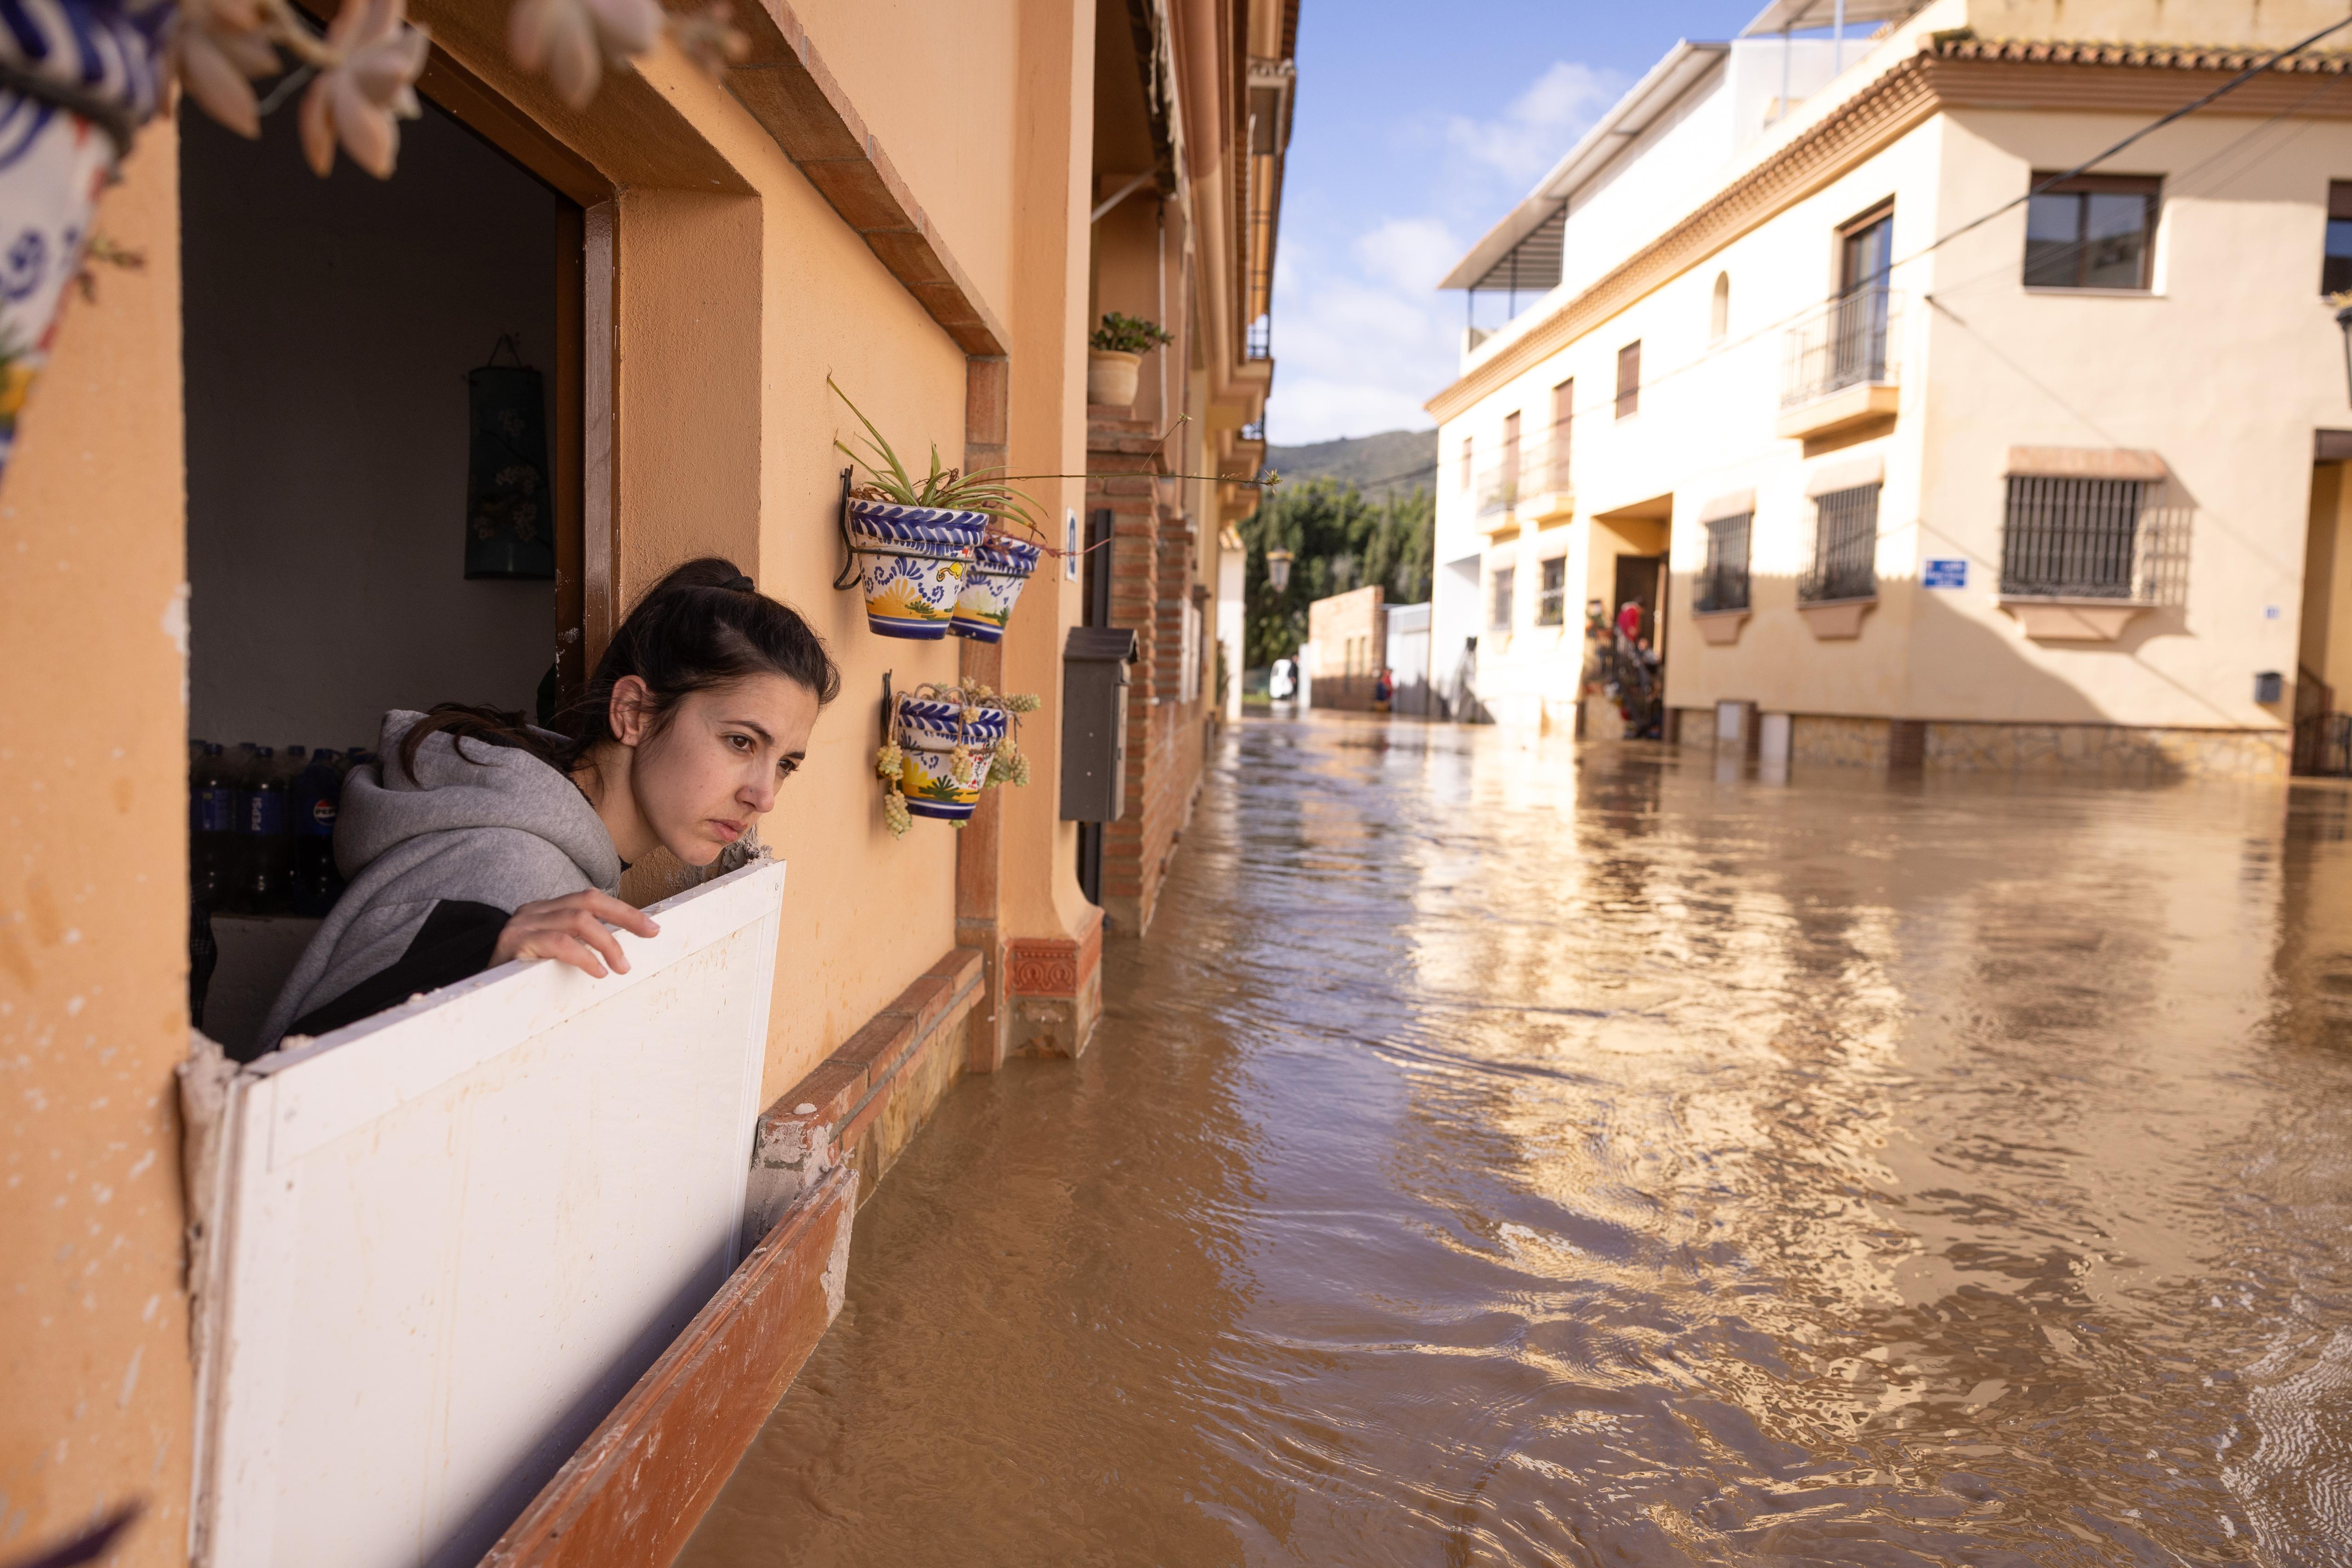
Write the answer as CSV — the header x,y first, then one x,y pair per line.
x,y
1094,722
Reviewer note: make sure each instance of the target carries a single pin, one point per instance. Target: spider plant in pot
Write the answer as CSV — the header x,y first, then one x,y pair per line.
x,y
1115,357
915,535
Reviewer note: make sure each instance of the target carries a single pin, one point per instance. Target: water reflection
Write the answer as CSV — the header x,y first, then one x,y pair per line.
x,y
1515,1153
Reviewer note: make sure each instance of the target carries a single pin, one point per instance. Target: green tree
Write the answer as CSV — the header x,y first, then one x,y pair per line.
x,y
1338,540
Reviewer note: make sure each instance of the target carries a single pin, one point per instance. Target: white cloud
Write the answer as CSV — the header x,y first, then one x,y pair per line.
x,y
1410,253
1540,124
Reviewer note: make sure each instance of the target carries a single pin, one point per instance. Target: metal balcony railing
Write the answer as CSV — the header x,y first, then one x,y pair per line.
x,y
1535,468
1258,341
1845,343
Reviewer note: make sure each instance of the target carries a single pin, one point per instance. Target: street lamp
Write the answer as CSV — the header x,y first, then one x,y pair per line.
x,y
1277,562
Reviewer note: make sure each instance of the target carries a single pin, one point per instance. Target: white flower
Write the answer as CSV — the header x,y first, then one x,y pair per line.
x,y
574,41
219,45
355,100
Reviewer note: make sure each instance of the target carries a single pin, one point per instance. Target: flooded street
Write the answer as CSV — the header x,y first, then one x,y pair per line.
x,y
1514,1154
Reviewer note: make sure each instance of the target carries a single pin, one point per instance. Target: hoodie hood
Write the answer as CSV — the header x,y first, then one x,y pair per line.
x,y
487,786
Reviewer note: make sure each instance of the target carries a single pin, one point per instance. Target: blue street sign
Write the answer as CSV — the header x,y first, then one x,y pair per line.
x,y
1945,575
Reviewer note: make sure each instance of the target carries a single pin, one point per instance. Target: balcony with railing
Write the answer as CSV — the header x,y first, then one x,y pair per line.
x,y
1843,365
1528,484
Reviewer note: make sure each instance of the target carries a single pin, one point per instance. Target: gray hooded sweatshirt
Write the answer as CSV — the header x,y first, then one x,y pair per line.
x,y
435,864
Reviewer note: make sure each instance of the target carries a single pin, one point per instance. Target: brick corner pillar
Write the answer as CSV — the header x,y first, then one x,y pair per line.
x,y
1127,464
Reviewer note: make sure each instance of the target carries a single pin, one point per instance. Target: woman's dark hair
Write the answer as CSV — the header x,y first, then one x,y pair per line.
x,y
705,625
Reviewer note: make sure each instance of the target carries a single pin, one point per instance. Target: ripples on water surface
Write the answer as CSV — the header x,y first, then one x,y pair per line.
x,y
1507,1154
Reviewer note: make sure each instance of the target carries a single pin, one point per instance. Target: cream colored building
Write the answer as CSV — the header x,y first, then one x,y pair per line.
x,y
1944,473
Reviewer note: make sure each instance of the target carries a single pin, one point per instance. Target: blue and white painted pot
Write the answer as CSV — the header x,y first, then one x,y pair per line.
x,y
912,559
87,75
1000,569
934,779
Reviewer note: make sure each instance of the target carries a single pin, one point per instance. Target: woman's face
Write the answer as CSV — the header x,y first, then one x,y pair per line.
x,y
702,780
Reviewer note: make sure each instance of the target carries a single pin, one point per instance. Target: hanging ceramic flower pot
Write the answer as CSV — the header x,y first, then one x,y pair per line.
x,y
912,561
1000,568
946,749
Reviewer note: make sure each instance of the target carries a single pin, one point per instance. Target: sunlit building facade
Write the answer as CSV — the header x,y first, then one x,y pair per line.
x,y
1893,432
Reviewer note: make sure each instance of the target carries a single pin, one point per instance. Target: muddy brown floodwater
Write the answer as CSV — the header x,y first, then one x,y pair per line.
x,y
1513,1155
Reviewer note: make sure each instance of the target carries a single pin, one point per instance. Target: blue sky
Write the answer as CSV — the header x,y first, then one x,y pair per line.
x,y
1417,128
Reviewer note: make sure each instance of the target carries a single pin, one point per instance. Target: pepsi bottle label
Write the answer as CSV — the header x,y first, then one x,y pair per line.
x,y
315,821
214,811
262,812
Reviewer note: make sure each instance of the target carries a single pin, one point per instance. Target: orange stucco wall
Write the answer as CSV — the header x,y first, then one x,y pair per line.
x,y
93,908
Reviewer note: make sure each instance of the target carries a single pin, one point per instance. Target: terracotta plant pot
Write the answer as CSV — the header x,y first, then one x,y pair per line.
x,y
934,779
912,561
1110,377
1000,569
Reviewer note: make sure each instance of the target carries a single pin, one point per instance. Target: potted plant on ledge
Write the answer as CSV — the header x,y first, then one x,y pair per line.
x,y
1117,349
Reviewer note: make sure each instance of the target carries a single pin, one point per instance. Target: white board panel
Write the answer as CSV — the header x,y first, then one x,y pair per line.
x,y
453,1235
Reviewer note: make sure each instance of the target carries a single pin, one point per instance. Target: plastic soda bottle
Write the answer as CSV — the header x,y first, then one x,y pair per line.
x,y
262,882
212,827
310,820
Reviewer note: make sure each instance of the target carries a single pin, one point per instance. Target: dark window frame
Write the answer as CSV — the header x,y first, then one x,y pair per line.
x,y
1722,583
1629,380
2071,264
2335,245
1551,591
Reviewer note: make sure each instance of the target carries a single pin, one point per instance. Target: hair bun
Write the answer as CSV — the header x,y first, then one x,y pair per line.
x,y
741,584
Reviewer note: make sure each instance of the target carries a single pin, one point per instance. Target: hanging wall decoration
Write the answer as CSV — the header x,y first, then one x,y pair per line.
x,y
945,745
76,79
510,510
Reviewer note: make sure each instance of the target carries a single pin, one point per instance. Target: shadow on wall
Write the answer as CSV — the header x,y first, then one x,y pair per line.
x,y
2028,717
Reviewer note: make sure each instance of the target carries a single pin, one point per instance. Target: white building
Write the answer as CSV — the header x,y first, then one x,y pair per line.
x,y
1946,473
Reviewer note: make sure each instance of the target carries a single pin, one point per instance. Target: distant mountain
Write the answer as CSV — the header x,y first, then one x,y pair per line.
x,y
1392,461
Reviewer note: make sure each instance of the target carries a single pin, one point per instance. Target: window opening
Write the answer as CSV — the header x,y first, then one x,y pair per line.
x,y
1629,380
1722,583
2070,538
336,499
1510,474
1845,546
1551,601
1467,477
1718,319
2336,267
2095,231
1498,616
1563,419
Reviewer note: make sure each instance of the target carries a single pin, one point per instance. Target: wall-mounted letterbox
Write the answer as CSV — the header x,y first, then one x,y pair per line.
x,y
1094,722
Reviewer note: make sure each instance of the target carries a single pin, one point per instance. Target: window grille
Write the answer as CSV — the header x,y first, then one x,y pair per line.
x,y
1723,584
1498,616
2075,539
1551,603
1846,547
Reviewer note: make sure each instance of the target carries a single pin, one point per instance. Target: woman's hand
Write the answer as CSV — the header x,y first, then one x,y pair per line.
x,y
571,929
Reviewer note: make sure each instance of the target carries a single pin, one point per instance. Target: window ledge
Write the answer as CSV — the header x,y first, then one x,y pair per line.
x,y
1836,620
2052,618
2073,293
1855,404
1721,629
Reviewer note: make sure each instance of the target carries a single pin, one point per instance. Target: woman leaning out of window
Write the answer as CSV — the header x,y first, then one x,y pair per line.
x,y
479,838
